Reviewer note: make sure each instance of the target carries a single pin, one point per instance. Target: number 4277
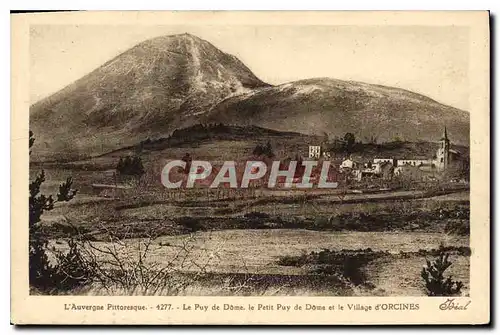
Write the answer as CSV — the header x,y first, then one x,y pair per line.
x,y
164,307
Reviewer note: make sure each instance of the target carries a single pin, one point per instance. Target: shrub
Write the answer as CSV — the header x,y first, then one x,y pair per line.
x,y
130,166
190,223
349,264
433,276
296,261
322,222
266,150
257,215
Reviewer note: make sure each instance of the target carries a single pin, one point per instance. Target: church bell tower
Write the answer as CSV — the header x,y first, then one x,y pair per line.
x,y
445,150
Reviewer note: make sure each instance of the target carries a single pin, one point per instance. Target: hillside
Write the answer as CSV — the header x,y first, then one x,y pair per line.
x,y
153,88
214,142
335,107
219,142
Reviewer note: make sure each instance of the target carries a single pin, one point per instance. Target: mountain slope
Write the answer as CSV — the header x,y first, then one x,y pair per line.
x,y
320,105
149,90
171,82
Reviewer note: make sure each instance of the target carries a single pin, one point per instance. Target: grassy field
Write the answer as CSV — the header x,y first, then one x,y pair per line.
x,y
234,245
257,253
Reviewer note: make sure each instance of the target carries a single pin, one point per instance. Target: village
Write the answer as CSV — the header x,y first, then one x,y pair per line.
x,y
433,168
354,171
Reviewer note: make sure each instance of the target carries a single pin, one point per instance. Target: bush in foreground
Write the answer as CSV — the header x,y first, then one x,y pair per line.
x,y
435,282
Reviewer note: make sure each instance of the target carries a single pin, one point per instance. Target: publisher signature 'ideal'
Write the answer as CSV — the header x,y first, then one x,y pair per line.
x,y
451,305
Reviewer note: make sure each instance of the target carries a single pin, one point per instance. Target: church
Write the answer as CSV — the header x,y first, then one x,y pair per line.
x,y
445,156
445,159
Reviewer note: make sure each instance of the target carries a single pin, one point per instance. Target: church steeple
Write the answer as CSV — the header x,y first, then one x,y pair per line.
x,y
444,152
445,135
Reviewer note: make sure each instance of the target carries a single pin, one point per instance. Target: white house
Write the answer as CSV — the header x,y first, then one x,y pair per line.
x,y
414,162
383,160
314,151
349,164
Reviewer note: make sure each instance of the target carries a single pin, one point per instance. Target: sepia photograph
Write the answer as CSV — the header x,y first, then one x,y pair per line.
x,y
253,160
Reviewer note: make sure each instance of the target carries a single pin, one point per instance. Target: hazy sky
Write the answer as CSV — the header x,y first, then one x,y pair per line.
x,y
429,60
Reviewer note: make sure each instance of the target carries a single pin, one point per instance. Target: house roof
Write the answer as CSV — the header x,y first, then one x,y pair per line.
x,y
350,159
417,158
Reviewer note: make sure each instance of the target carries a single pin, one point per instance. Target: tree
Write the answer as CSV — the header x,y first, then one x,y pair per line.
x,y
350,140
258,150
42,274
266,149
337,146
433,276
130,166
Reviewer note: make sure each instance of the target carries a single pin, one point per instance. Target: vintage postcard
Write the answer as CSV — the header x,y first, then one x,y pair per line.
x,y
250,168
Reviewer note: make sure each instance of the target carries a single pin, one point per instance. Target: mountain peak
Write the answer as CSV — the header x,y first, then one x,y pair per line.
x,y
151,89
177,37
183,43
